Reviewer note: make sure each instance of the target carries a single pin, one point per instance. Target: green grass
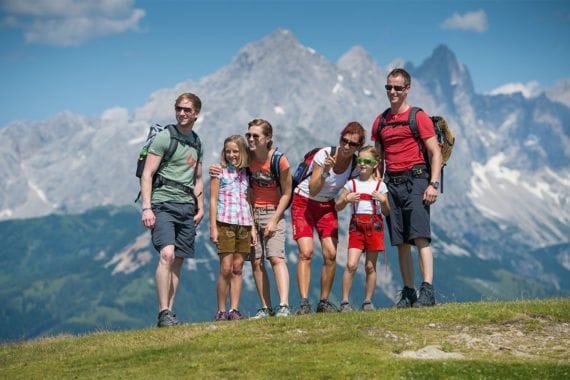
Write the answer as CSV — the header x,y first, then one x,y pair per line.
x,y
523,339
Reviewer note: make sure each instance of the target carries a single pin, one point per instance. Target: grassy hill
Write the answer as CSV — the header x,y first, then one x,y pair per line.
x,y
520,339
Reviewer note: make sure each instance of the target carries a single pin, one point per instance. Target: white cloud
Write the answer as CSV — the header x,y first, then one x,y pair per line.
x,y
70,22
528,90
470,21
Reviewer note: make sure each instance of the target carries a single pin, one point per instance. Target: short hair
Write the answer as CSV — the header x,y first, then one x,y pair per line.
x,y
243,151
403,73
196,102
370,149
265,127
354,127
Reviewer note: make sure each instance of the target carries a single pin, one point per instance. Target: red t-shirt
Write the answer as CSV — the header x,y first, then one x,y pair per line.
x,y
401,150
265,189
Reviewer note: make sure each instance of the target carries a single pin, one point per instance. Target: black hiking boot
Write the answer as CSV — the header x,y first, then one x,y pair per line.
x,y
407,298
326,306
166,318
426,297
304,307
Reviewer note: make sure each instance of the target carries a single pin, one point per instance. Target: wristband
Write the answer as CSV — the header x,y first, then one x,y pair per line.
x,y
146,208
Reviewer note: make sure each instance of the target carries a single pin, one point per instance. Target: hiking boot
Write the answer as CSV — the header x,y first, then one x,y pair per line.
x,y
263,312
426,297
221,316
326,306
234,315
368,306
408,297
304,307
283,311
166,318
345,307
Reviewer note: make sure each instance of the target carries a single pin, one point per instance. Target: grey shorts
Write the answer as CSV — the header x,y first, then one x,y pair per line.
x,y
409,217
273,246
174,226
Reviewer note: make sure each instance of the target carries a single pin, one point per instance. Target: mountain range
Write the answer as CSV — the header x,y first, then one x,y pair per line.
x,y
506,186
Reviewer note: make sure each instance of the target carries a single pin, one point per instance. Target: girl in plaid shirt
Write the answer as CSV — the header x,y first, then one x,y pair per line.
x,y
231,223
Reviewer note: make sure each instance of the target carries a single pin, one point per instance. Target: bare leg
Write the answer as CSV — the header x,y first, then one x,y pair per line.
x,y
261,282
426,260
329,266
281,274
305,245
370,269
406,265
175,280
163,276
236,280
349,271
224,279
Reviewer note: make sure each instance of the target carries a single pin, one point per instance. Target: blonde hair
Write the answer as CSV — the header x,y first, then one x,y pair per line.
x,y
243,151
370,149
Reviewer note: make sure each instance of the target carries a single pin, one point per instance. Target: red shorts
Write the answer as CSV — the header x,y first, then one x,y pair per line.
x,y
307,215
366,232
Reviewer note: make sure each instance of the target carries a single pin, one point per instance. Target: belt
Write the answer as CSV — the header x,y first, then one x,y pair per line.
x,y
315,198
418,171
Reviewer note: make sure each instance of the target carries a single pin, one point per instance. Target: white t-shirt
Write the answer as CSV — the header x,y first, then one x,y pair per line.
x,y
333,183
365,206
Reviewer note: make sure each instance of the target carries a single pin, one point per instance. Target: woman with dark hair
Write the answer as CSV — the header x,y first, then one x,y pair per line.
x,y
313,208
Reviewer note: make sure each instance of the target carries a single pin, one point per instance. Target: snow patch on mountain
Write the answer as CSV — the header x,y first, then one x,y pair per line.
x,y
543,193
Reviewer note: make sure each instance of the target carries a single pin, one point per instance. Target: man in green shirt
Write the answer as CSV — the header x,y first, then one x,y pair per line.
x,y
173,206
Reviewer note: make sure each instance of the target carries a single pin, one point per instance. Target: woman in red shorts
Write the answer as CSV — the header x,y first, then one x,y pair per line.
x,y
313,208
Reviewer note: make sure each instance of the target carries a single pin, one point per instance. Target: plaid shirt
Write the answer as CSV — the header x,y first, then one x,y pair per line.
x,y
233,207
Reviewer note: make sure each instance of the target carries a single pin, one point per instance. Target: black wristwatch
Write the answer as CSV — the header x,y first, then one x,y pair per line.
x,y
435,184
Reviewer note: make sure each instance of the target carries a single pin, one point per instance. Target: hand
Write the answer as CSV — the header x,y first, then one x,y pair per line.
x,y
215,170
329,162
353,197
198,217
214,235
379,196
253,237
430,195
270,229
148,218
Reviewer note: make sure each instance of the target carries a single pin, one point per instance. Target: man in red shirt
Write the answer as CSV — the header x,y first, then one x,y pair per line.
x,y
412,185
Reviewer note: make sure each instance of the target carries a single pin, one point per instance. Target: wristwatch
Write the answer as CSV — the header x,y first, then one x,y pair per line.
x,y
435,184
325,174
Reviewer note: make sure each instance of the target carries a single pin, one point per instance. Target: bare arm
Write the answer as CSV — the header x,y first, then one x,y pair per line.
x,y
199,193
317,180
214,189
430,195
380,169
151,166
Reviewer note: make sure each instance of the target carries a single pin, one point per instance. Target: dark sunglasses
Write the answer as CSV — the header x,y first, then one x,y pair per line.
x,y
351,143
185,109
254,135
366,161
397,88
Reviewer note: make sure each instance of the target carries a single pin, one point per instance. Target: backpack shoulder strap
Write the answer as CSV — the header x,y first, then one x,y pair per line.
x,y
274,164
173,142
412,122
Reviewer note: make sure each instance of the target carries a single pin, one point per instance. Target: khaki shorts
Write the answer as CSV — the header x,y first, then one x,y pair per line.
x,y
233,238
273,246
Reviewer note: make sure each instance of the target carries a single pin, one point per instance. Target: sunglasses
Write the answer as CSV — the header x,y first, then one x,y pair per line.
x,y
254,135
366,161
185,109
389,87
351,143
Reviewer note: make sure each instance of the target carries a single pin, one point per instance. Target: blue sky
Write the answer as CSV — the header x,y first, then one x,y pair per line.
x,y
88,56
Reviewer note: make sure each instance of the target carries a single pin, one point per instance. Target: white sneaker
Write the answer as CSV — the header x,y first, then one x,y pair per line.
x,y
283,311
262,312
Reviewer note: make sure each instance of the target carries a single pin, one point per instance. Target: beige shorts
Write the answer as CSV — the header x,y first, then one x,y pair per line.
x,y
233,238
273,246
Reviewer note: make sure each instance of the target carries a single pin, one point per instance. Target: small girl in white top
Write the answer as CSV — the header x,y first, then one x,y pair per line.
x,y
369,200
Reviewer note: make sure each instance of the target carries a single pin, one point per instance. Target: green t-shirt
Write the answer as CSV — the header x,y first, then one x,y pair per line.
x,y
179,168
